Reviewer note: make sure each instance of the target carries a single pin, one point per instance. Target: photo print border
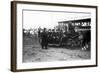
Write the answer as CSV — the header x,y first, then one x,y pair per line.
x,y
14,39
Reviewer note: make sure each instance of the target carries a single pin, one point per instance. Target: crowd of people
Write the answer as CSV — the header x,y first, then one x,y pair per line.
x,y
60,36
49,36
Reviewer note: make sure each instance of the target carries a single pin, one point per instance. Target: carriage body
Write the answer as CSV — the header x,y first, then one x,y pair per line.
x,y
69,33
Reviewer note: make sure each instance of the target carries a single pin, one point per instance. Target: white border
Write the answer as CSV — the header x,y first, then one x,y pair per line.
x,y
21,65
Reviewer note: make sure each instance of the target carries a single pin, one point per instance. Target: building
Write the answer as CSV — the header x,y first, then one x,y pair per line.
x,y
79,25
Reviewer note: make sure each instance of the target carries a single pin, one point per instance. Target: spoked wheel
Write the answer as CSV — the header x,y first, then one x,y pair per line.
x,y
73,42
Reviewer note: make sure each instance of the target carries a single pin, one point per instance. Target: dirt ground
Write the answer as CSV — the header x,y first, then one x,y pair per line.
x,y
32,52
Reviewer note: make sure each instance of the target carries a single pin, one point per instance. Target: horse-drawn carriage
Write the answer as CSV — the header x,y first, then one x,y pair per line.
x,y
72,38
64,39
72,33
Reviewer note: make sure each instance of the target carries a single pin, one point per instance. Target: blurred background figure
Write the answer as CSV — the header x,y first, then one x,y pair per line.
x,y
39,34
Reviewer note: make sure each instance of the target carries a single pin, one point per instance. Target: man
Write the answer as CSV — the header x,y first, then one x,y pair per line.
x,y
49,36
81,38
44,39
39,35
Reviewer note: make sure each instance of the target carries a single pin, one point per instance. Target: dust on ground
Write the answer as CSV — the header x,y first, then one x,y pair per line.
x,y
32,52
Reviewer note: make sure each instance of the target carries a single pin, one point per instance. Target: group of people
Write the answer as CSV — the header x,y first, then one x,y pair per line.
x,y
55,37
48,36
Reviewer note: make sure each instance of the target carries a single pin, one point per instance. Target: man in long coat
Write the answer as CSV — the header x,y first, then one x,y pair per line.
x,y
44,39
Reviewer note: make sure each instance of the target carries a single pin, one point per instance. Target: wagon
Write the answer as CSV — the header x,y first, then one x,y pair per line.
x,y
65,39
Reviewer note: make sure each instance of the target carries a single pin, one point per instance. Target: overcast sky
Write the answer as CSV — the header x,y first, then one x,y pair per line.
x,y
35,19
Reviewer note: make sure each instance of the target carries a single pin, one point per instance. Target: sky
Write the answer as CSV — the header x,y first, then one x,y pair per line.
x,y
48,19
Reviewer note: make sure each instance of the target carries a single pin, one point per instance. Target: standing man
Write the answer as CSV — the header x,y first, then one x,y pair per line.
x,y
39,34
81,38
44,38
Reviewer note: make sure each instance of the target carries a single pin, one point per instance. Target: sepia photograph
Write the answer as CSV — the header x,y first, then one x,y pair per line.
x,y
52,36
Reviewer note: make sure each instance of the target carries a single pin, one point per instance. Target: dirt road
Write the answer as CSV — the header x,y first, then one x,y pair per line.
x,y
36,54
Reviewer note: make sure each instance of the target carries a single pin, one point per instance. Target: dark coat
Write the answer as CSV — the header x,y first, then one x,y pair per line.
x,y
44,38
